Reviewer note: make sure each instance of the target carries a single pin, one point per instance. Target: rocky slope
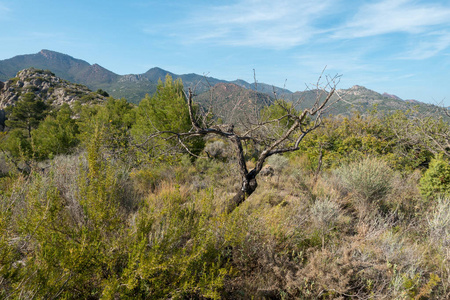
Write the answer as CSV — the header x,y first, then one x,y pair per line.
x,y
46,86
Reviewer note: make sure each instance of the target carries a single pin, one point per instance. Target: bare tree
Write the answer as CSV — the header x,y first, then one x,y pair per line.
x,y
426,129
270,134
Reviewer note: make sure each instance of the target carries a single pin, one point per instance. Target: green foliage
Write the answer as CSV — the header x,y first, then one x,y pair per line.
x,y
165,113
99,225
436,180
276,111
342,140
66,258
116,116
56,134
173,252
17,144
102,92
79,245
27,113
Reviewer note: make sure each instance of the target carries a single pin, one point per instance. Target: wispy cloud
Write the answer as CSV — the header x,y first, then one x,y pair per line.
x,y
258,23
429,46
393,16
4,11
4,8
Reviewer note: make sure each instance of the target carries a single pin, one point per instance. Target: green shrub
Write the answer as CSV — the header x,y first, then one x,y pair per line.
x,y
55,135
17,144
436,180
173,252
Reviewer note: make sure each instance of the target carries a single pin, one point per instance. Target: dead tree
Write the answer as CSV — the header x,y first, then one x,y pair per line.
x,y
277,135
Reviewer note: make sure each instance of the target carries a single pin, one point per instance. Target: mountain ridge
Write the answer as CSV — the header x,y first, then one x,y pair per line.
x,y
97,77
134,87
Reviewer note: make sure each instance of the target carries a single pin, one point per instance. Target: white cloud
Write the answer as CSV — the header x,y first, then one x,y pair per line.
x,y
259,23
431,45
393,16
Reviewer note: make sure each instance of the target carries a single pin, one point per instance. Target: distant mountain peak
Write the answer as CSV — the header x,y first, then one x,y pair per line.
x,y
391,96
49,54
358,87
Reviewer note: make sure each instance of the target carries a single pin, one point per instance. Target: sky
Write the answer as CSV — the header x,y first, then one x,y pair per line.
x,y
401,47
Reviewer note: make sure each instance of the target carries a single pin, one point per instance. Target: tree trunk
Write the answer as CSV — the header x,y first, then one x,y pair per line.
x,y
248,186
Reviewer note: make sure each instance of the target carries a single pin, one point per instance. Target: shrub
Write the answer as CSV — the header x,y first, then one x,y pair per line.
x,y
216,149
436,179
55,135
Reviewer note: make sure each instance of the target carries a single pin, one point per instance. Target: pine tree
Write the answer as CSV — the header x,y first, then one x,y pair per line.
x,y
27,113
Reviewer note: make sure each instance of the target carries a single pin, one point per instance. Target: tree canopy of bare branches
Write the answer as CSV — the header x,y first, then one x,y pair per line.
x,y
275,129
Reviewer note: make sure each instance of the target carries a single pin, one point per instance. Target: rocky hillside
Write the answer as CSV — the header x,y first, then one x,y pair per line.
x,y
46,86
363,100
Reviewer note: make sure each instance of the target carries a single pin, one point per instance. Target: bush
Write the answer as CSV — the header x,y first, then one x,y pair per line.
x,y
436,179
55,135
216,149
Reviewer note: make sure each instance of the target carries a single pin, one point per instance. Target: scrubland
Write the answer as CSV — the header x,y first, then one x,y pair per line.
x,y
92,226
360,211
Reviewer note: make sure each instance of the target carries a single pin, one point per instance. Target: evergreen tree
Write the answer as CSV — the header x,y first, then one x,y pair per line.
x,y
164,113
27,113
56,134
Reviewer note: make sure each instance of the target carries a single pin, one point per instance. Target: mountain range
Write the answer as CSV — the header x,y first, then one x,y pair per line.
x,y
134,87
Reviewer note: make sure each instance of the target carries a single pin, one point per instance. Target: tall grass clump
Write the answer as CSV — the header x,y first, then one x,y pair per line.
x,y
369,179
278,162
325,213
439,223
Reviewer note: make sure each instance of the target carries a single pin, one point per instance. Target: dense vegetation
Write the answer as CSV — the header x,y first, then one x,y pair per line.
x,y
91,207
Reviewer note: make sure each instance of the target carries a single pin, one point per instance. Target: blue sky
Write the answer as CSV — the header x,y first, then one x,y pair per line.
x,y
396,46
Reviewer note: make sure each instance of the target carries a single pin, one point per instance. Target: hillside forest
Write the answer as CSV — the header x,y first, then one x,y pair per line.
x,y
171,199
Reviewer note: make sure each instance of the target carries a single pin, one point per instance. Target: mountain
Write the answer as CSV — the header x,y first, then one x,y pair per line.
x,y
62,65
133,87
47,87
363,100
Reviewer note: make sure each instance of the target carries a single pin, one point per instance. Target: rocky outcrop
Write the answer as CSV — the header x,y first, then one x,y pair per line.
x,y
132,78
46,86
